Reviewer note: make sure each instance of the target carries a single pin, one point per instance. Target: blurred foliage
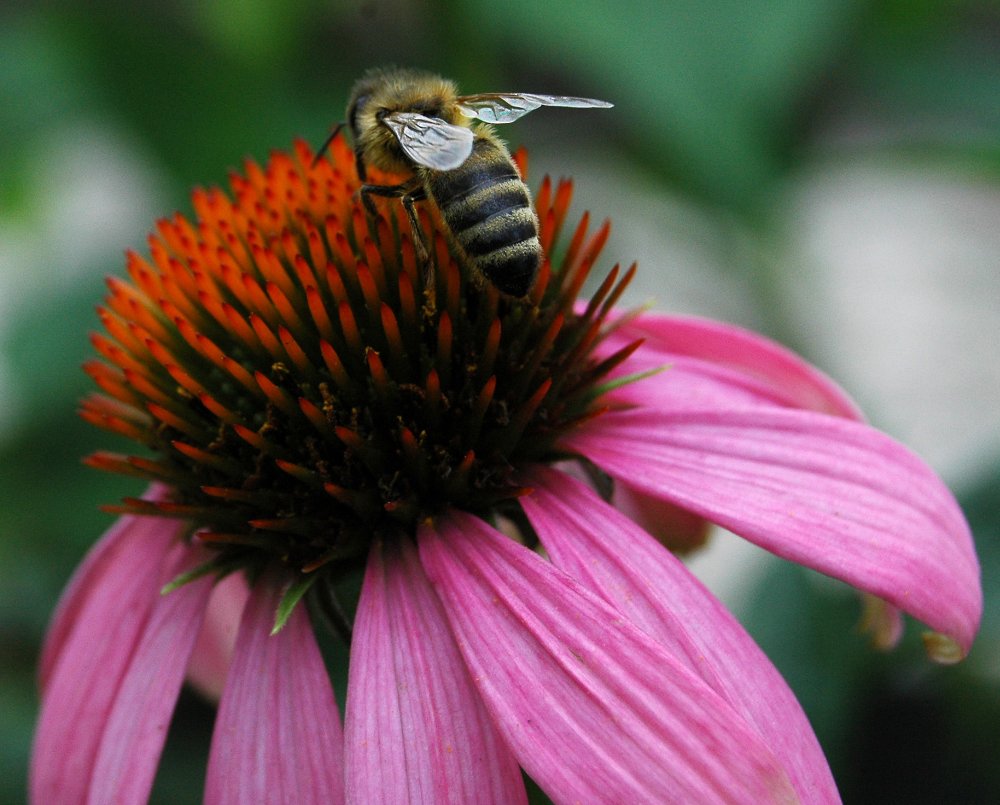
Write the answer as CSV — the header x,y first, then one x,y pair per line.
x,y
718,102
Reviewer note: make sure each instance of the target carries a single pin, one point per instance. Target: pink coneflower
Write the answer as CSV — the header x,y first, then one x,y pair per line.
x,y
319,416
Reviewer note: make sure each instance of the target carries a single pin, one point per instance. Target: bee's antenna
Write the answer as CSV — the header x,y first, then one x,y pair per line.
x,y
326,143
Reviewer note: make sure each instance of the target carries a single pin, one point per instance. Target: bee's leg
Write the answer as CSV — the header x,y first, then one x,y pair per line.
x,y
419,243
385,190
420,247
409,193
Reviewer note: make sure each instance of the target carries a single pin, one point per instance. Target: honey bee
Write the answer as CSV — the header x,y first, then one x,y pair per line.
x,y
412,122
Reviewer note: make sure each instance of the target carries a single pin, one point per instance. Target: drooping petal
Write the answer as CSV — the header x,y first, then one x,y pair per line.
x,y
88,576
610,555
111,606
708,363
828,493
674,528
213,650
415,729
137,725
277,735
593,708
779,377
709,357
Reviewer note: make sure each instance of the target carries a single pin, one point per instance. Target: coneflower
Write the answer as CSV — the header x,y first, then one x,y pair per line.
x,y
317,411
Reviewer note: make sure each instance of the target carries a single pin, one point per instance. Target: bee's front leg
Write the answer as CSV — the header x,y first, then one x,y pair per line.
x,y
409,193
366,191
419,242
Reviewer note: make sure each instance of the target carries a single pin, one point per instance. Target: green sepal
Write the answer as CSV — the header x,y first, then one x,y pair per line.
x,y
290,600
190,575
624,380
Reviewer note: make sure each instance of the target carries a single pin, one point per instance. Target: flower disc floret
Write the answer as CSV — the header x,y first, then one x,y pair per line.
x,y
305,386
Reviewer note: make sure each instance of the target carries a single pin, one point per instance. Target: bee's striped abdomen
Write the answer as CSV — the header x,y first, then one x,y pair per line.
x,y
488,210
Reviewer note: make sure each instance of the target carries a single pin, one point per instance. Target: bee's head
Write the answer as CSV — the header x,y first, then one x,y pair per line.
x,y
381,92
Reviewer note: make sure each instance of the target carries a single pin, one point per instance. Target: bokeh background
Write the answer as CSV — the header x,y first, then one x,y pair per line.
x,y
824,171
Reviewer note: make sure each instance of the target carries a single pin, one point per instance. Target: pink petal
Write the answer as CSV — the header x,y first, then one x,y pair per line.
x,y
611,556
213,651
832,494
99,625
138,722
593,708
277,734
763,370
706,356
87,576
708,363
675,528
416,730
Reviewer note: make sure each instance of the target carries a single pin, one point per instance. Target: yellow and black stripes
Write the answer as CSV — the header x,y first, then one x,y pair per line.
x,y
488,210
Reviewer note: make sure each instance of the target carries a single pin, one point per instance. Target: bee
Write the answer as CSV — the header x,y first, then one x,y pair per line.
x,y
415,123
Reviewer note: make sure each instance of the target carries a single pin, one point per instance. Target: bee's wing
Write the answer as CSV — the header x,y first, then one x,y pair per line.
x,y
506,107
430,141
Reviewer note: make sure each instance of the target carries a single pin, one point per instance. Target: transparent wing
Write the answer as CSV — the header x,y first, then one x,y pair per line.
x,y
506,107
429,141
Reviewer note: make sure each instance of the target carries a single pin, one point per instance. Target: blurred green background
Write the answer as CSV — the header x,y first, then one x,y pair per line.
x,y
825,172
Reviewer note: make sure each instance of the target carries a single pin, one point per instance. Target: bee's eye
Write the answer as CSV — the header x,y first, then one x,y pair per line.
x,y
356,107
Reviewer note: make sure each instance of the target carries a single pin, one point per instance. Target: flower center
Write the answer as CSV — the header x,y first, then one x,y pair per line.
x,y
305,385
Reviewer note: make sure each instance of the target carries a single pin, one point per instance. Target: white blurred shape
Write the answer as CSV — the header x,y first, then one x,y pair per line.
x,y
691,259
91,194
896,293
